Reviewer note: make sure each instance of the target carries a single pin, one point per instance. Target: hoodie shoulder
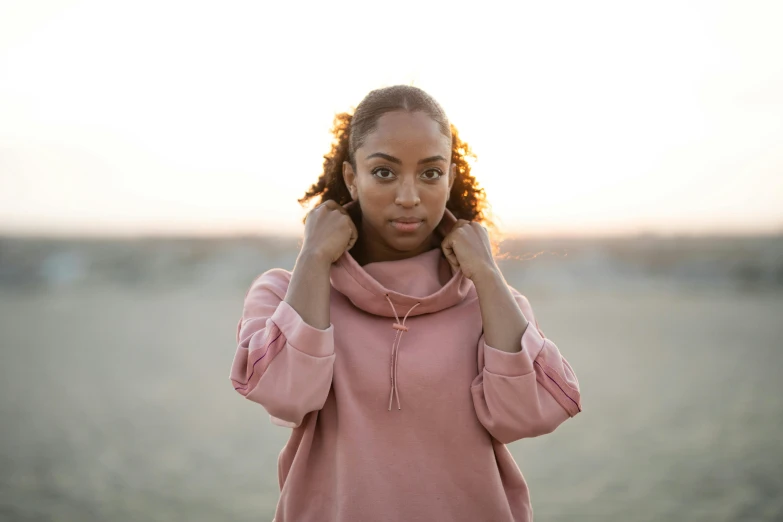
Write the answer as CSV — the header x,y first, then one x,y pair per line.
x,y
274,277
271,285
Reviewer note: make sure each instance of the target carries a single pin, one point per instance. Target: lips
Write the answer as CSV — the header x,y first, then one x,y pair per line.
x,y
406,220
406,225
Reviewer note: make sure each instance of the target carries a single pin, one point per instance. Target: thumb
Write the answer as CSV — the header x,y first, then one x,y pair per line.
x,y
353,238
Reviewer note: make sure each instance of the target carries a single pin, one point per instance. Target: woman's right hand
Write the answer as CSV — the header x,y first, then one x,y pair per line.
x,y
329,231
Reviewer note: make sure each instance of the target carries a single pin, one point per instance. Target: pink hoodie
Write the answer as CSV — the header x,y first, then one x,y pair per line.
x,y
399,409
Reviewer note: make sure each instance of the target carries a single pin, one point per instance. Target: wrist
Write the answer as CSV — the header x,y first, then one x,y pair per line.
x,y
314,258
487,276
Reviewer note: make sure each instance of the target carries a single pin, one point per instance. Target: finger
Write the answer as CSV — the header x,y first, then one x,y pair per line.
x,y
459,227
448,251
333,205
354,235
341,208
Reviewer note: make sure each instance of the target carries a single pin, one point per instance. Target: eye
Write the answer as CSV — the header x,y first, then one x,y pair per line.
x,y
437,173
377,173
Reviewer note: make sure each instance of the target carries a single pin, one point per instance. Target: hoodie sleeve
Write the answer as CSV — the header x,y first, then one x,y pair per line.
x,y
526,393
281,362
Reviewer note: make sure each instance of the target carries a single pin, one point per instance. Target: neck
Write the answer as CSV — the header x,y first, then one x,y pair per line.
x,y
371,249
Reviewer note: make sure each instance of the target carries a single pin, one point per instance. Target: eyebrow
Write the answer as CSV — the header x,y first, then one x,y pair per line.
x,y
392,159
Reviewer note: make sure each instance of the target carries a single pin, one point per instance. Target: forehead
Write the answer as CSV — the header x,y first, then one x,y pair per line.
x,y
407,133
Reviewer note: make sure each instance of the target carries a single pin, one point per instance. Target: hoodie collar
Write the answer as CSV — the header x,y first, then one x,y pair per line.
x,y
416,289
366,291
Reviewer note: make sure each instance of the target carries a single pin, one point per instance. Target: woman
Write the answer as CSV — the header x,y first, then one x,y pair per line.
x,y
395,349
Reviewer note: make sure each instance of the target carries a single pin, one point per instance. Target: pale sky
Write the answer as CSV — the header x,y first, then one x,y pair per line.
x,y
588,118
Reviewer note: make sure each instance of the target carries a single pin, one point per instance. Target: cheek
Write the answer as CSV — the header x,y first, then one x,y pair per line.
x,y
375,196
435,195
374,201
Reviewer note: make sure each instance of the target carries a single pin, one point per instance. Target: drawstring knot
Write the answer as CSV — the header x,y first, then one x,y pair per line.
x,y
400,327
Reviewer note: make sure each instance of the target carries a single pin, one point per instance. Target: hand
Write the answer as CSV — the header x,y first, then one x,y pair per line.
x,y
329,231
468,248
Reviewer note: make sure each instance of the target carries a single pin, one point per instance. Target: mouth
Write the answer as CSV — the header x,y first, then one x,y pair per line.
x,y
406,225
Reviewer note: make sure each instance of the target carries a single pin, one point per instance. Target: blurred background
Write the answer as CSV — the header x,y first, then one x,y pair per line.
x,y
151,156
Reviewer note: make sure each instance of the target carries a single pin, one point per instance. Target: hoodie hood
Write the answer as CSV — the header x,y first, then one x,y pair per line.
x,y
407,286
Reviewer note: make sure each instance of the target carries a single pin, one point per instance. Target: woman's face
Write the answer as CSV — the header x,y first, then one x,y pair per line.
x,y
403,172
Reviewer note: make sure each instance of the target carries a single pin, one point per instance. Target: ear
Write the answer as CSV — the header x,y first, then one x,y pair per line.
x,y
452,175
349,177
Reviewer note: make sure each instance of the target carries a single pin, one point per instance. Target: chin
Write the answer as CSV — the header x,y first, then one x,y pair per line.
x,y
408,242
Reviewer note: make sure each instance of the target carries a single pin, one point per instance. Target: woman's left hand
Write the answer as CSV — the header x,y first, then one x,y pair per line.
x,y
468,248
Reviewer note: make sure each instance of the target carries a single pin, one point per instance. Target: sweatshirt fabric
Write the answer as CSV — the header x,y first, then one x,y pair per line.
x,y
399,411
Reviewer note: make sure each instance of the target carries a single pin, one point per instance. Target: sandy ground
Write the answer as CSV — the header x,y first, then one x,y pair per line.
x,y
116,405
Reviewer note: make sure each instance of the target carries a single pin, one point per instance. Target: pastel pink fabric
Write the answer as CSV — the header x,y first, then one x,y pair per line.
x,y
399,411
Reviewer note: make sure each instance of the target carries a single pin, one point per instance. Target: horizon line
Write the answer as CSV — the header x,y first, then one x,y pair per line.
x,y
207,235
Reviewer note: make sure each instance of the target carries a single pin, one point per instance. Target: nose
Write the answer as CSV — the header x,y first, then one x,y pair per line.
x,y
407,194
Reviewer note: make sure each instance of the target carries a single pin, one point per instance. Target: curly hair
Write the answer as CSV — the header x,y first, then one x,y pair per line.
x,y
467,200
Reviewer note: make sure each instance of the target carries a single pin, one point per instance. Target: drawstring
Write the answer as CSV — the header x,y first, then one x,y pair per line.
x,y
400,327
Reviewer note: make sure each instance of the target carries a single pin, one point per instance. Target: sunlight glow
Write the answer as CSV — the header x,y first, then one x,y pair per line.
x,y
602,118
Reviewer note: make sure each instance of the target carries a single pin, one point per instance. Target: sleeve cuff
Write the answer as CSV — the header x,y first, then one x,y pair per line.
x,y
302,336
517,363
